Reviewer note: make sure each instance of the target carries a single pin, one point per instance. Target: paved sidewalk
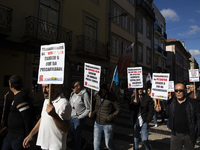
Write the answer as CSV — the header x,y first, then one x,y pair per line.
x,y
159,137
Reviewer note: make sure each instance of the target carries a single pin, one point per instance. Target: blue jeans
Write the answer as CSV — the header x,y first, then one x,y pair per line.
x,y
168,123
76,128
155,118
15,144
108,133
144,136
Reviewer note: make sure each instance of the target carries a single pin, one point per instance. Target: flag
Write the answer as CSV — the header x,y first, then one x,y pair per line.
x,y
125,60
115,76
148,78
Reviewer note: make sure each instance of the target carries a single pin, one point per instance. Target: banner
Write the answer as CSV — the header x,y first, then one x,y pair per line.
x,y
171,86
51,68
125,59
160,83
135,79
194,75
92,76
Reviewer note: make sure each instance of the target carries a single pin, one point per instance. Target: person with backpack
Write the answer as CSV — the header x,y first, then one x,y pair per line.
x,y
80,103
19,118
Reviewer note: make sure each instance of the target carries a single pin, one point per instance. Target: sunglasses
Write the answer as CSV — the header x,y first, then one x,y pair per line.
x,y
180,90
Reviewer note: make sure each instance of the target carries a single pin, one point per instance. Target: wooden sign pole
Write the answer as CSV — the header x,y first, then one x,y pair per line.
x,y
91,101
49,93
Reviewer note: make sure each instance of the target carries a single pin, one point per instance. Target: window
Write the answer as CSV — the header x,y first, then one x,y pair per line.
x,y
131,1
140,52
115,46
131,27
156,61
124,22
90,28
140,24
155,44
148,56
124,48
168,55
116,13
48,13
162,30
148,31
161,45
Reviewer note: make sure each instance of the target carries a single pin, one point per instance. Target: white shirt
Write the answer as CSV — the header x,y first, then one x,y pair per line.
x,y
49,136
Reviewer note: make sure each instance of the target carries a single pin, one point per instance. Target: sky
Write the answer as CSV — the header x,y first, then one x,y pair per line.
x,y
182,22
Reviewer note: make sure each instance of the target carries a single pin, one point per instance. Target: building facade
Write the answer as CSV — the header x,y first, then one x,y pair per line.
x,y
26,25
178,62
160,38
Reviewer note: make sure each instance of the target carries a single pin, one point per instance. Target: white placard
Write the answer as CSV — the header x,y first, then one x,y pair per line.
x,y
92,76
51,68
171,86
194,75
160,83
135,79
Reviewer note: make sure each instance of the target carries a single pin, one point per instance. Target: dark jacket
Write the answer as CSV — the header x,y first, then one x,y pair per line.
x,y
147,108
193,116
107,110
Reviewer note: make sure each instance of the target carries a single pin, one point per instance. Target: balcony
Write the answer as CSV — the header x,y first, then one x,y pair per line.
x,y
159,50
88,46
5,20
157,28
146,8
44,32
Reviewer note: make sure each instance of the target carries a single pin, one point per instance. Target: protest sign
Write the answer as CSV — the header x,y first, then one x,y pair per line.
x,y
51,68
160,83
135,79
171,86
92,76
194,75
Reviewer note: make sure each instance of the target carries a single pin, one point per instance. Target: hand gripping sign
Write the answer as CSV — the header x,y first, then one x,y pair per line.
x,y
160,83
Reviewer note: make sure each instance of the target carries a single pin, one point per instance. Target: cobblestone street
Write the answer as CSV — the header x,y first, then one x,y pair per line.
x,y
159,137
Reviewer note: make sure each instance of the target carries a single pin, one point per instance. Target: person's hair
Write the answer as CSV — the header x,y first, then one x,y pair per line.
x,y
16,82
79,83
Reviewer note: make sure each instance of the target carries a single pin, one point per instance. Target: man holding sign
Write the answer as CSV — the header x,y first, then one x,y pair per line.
x,y
54,123
143,108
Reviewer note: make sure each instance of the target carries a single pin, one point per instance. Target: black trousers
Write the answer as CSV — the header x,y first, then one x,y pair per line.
x,y
181,142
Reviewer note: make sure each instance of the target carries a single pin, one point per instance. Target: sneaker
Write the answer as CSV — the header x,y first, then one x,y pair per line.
x,y
156,125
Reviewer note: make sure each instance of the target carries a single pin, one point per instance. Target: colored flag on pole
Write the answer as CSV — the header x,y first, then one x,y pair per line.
x,y
125,60
115,76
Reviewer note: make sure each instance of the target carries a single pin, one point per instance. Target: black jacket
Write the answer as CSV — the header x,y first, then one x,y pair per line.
x,y
147,108
107,110
193,115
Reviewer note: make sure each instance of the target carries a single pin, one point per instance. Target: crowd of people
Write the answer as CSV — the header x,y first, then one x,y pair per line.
x,y
62,119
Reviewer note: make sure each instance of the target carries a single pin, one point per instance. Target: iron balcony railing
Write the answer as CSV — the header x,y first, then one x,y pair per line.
x,y
146,7
160,50
42,30
5,18
86,44
158,28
